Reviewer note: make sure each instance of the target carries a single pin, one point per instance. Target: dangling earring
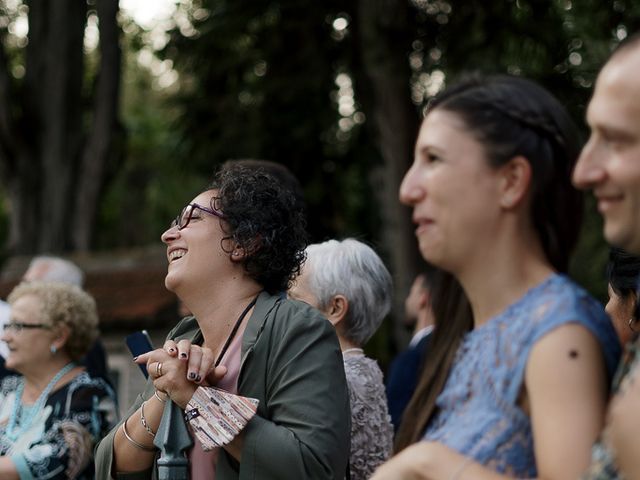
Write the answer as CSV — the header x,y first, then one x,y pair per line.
x,y
53,349
631,322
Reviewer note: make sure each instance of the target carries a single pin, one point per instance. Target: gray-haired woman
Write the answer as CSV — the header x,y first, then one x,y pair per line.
x,y
348,282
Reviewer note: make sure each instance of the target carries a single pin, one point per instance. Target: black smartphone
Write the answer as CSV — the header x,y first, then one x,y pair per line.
x,y
139,343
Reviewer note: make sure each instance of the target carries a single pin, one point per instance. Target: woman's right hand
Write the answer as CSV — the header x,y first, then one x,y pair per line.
x,y
178,369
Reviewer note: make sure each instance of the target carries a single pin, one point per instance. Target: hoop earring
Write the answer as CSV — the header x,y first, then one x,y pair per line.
x,y
630,323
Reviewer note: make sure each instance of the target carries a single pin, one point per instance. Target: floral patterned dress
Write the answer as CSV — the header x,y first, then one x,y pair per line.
x,y
371,429
59,441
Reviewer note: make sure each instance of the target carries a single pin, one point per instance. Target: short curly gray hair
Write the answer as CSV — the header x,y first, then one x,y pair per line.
x,y
64,304
353,269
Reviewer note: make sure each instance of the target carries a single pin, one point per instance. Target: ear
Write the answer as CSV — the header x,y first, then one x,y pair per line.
x,y
62,334
337,310
239,253
425,298
515,182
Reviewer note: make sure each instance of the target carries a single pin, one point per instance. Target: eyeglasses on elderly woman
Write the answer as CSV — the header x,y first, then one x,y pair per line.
x,y
19,326
183,219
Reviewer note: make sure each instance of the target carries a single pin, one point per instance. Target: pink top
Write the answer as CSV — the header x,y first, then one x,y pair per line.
x,y
203,464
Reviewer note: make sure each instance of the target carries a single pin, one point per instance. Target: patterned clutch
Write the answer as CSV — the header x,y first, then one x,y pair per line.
x,y
217,416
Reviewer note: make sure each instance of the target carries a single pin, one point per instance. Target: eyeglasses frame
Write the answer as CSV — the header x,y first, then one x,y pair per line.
x,y
176,221
18,327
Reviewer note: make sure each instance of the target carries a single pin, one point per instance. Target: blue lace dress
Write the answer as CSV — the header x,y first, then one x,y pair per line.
x,y
478,413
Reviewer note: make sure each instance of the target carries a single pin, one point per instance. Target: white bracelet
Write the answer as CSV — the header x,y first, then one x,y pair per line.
x,y
464,464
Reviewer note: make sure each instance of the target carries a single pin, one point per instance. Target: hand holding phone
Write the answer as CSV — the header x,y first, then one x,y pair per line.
x,y
139,343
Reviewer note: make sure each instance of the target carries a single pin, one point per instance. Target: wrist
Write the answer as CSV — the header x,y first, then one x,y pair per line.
x,y
161,396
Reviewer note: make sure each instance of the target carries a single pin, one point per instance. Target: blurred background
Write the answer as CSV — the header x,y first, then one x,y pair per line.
x,y
114,114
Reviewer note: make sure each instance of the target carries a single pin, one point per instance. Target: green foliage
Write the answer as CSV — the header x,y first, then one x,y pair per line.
x,y
258,82
560,44
155,179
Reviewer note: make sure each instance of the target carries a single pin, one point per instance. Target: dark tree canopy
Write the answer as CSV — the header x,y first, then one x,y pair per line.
x,y
332,89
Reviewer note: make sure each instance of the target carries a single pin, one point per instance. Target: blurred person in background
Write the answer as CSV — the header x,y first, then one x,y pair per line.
x,y
5,313
404,371
623,270
52,412
348,282
48,268
610,166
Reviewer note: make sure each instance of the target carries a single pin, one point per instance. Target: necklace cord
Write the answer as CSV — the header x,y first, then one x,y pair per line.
x,y
234,331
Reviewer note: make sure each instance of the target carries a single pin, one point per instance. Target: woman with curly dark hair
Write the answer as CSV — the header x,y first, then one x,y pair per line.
x,y
232,252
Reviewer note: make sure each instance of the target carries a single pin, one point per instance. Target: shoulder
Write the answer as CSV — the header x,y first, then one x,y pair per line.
x,y
564,308
556,302
363,373
567,299
88,392
293,314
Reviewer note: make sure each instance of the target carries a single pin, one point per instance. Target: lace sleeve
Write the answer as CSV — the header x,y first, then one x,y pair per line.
x,y
371,430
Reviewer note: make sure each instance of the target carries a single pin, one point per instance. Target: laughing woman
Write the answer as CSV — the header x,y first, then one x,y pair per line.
x,y
517,386
232,253
53,414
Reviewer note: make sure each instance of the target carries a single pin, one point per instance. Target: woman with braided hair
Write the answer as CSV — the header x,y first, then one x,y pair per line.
x,y
515,384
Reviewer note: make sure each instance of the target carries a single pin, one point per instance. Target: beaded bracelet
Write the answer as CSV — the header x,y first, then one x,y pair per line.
x,y
144,421
135,444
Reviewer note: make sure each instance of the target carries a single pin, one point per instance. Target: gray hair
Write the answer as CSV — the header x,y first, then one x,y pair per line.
x,y
46,268
353,269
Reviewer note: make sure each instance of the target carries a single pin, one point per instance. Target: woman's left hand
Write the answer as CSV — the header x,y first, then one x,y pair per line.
x,y
201,367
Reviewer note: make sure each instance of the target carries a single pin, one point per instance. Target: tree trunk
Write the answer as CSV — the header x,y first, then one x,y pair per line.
x,y
41,128
98,150
60,91
384,27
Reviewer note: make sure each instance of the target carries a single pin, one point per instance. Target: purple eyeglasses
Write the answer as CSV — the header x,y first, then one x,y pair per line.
x,y
182,220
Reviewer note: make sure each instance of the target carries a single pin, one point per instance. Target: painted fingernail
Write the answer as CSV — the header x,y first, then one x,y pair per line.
x,y
135,358
171,350
183,355
192,376
198,378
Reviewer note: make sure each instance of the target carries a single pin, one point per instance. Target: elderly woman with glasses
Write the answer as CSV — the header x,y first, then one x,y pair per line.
x,y
232,253
53,413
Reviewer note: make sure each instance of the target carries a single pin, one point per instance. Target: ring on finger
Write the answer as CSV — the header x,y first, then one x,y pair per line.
x,y
159,369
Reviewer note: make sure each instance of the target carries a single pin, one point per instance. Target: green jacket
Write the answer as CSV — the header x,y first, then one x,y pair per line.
x,y
291,362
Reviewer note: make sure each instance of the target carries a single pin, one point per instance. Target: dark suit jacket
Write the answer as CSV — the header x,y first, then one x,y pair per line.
x,y
402,378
